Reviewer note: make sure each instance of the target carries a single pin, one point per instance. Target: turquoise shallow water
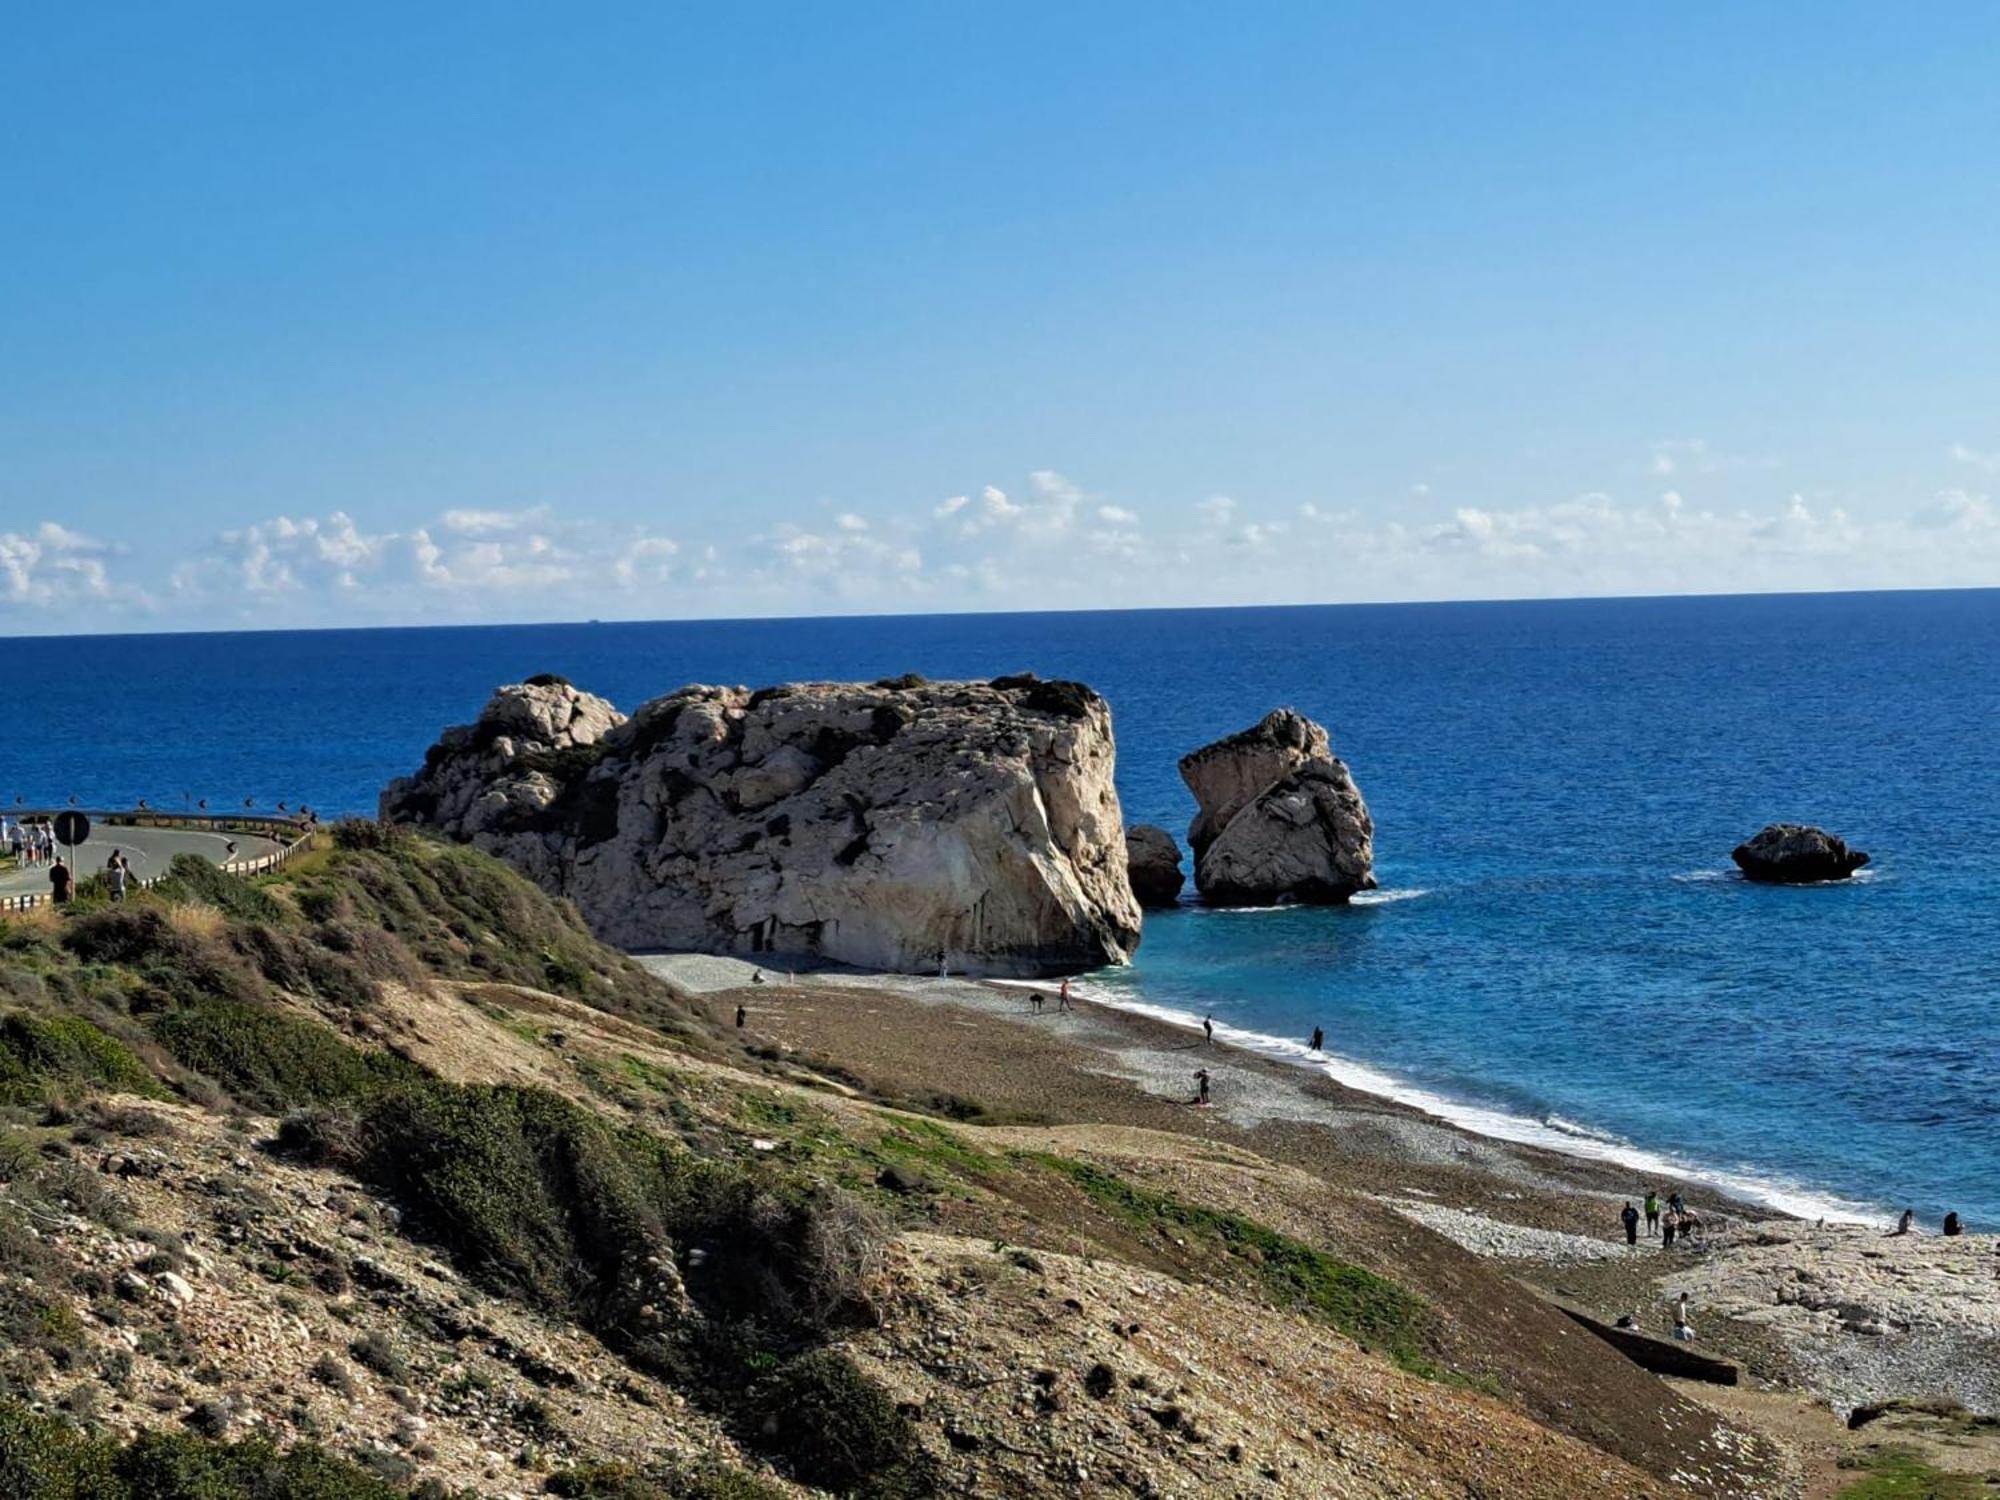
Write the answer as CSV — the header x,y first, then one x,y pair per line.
x,y
1556,786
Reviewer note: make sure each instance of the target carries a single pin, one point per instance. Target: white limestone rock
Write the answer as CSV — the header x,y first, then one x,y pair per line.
x,y
1280,817
898,825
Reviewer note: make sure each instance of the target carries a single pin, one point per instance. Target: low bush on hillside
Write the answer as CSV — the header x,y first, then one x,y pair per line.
x,y
272,1061
42,1458
44,1058
688,1267
613,1481
838,1429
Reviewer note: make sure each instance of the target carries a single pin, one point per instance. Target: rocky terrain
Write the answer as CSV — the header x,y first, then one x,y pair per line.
x,y
1796,854
1154,862
1280,817
379,1178
901,825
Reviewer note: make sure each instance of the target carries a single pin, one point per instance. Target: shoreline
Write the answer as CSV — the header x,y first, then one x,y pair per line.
x,y
1837,1310
1749,1195
1568,1139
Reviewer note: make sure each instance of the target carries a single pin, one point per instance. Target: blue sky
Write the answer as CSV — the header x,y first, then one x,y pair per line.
x,y
356,314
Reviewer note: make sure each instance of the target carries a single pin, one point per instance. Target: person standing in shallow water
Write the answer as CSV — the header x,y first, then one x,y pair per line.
x,y
1319,1039
1630,1219
1208,1029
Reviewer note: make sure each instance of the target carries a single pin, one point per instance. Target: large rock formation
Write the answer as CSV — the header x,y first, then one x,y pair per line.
x,y
1796,854
894,826
1154,861
1280,818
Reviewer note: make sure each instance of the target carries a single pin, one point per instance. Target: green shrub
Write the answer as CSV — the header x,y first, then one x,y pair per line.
x,y
837,1428
526,1189
272,1061
191,878
709,1481
42,1458
48,1057
367,833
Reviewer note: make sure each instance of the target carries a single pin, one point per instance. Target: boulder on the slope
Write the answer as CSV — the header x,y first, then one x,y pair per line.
x,y
897,825
1796,854
1154,861
1280,817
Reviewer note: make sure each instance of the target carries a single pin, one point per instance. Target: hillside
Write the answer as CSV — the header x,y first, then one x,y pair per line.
x,y
380,1178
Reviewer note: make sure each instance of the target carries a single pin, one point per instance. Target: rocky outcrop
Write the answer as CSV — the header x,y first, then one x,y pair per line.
x,y
1280,817
896,825
1154,861
1796,854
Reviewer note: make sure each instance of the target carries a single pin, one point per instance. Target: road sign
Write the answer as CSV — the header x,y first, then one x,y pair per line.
x,y
72,828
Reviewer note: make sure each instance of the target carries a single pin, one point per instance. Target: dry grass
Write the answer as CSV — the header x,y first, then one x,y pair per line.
x,y
42,921
196,919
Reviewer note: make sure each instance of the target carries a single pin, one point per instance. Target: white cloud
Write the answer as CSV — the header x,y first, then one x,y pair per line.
x,y
464,563
1978,458
52,566
1043,543
491,522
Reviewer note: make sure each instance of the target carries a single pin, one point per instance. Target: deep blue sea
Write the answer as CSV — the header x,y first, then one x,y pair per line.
x,y
1560,949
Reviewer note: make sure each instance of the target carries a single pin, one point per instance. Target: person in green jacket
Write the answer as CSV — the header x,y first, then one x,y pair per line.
x,y
1652,1213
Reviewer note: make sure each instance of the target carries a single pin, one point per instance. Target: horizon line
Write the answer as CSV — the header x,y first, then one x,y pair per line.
x,y
973,614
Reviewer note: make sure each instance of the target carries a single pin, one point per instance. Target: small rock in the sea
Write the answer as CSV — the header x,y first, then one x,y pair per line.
x,y
1796,854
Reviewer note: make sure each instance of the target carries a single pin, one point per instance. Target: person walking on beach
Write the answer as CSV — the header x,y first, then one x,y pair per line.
x,y
1208,1030
1652,1213
1630,1218
1953,1226
1319,1039
1669,1223
1903,1224
1035,1001
61,883
742,1015
1674,1202
1062,998
1201,1085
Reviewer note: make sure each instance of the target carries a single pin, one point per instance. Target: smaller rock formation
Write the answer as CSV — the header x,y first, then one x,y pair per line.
x,y
1280,817
1796,854
1154,861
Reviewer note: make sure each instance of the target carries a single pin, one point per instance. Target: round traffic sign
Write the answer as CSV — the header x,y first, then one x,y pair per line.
x,y
72,828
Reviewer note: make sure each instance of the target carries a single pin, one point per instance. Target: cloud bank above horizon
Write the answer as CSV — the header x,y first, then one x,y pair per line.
x,y
1046,543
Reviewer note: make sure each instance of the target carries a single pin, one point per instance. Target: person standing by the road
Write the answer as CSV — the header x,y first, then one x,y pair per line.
x,y
61,882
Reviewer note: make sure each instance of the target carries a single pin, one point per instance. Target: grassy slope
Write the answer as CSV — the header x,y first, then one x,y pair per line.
x,y
627,1204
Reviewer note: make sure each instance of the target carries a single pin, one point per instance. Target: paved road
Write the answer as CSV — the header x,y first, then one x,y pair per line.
x,y
151,850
